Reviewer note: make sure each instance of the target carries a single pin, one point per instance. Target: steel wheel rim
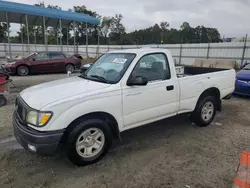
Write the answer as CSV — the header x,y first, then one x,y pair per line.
x,y
23,71
207,111
70,68
90,142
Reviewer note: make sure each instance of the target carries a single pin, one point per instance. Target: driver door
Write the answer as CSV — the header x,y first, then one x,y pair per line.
x,y
41,63
156,100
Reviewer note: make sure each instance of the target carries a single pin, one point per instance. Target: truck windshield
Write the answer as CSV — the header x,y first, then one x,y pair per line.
x,y
110,67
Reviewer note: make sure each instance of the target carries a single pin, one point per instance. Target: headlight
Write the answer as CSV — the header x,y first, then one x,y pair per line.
x,y
38,118
31,117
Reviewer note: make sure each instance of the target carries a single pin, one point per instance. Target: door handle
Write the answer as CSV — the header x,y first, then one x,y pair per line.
x,y
169,88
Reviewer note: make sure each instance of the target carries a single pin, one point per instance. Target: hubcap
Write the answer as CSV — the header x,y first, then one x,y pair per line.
x,y
23,71
90,142
207,111
70,68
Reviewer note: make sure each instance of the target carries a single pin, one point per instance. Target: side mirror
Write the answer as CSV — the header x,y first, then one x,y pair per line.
x,y
33,59
137,81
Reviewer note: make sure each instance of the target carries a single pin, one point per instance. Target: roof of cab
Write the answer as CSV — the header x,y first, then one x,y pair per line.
x,y
140,50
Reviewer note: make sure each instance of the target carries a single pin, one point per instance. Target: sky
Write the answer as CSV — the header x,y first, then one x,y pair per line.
x,y
230,17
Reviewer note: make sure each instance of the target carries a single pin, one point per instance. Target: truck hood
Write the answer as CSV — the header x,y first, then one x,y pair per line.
x,y
43,94
244,74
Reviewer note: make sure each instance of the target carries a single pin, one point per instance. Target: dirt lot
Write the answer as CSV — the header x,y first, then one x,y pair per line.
x,y
20,83
169,153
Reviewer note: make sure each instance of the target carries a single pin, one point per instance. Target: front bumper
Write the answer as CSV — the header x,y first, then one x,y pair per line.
x,y
42,143
9,70
242,88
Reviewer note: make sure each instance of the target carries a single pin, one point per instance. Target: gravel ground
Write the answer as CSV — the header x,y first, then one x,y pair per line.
x,y
169,153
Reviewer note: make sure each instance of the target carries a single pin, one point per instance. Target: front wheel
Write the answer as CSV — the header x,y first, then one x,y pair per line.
x,y
89,142
22,70
69,68
205,111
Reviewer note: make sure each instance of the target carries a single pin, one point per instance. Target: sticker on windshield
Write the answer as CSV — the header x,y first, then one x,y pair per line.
x,y
120,60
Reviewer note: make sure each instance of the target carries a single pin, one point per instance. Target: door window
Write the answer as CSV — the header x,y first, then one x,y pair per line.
x,y
153,67
42,56
57,56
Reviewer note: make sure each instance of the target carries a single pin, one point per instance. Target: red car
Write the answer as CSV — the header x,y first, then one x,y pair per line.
x,y
43,62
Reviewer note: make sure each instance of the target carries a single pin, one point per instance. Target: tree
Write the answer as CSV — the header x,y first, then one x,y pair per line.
x,y
106,25
185,26
187,33
3,31
54,7
117,29
164,26
81,27
213,35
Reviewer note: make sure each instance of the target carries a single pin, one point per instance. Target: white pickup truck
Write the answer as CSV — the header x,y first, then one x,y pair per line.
x,y
122,90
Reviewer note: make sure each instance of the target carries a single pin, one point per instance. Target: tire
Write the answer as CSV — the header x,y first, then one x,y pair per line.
x,y
205,111
22,70
82,137
69,67
3,101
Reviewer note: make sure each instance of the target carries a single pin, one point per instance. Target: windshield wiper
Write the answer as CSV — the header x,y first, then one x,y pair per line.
x,y
100,78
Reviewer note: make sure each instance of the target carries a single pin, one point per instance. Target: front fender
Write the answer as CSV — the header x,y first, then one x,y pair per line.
x,y
62,119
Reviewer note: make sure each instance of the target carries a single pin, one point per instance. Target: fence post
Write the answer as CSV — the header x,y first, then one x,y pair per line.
x,y
243,53
180,53
208,49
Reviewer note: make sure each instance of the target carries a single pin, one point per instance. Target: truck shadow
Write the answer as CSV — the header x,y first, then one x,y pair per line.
x,y
153,132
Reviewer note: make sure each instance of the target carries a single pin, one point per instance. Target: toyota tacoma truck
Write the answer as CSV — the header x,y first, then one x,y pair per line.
x,y
122,90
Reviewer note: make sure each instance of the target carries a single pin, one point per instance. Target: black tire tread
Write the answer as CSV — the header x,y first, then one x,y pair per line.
x,y
22,66
80,127
71,65
196,114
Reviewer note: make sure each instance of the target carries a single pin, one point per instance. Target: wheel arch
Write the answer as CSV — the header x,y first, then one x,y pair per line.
x,y
107,117
213,91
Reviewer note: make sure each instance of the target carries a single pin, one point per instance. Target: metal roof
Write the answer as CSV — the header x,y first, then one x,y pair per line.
x,y
18,10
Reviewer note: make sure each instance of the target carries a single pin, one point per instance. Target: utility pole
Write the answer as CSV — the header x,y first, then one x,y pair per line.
x,y
244,50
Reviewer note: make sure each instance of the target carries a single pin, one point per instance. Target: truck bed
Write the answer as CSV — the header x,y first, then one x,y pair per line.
x,y
196,80
189,71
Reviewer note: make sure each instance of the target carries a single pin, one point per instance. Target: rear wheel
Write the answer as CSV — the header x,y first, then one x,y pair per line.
x,y
22,70
89,142
69,68
205,111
